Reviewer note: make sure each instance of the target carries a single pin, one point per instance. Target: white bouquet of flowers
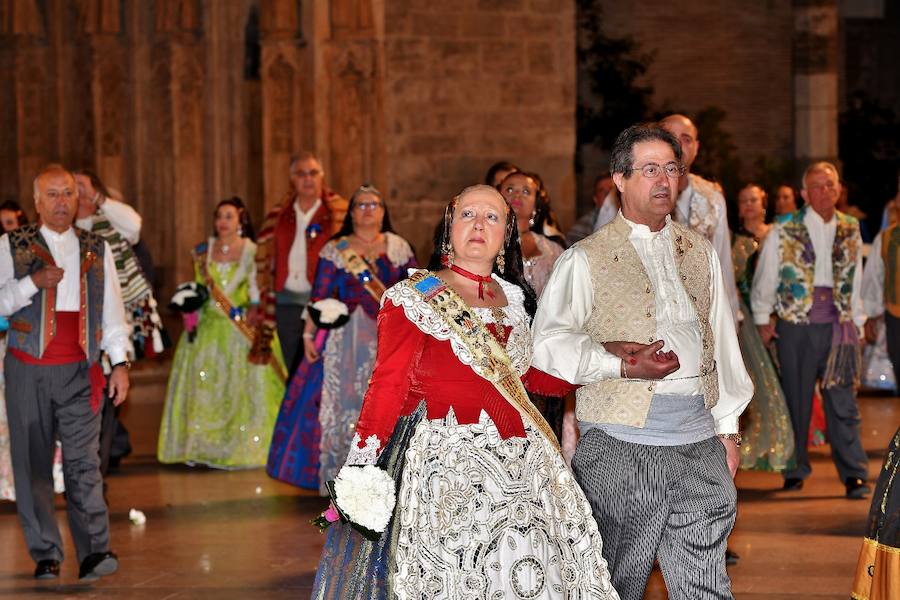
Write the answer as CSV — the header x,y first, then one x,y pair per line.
x,y
364,497
329,313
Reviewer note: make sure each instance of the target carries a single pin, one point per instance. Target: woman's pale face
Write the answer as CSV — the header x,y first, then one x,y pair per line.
x,y
227,221
479,226
368,211
785,202
521,193
751,203
9,219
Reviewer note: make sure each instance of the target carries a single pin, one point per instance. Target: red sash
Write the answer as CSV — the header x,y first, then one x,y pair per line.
x,y
65,349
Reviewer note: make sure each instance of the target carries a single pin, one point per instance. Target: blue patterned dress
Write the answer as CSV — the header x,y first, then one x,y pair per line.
x,y
321,406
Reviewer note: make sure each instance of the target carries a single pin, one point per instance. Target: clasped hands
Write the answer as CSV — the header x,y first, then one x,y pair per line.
x,y
644,361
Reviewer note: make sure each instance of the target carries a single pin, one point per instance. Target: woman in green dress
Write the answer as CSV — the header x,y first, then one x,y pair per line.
x,y
768,442
222,399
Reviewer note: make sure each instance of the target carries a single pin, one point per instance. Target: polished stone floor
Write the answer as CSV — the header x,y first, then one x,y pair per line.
x,y
240,535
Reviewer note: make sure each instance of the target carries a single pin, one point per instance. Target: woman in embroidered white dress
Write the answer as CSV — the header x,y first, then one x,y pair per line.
x,y
486,507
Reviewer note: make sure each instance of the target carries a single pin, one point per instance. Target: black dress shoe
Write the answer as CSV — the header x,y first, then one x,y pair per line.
x,y
793,484
731,558
47,569
856,488
97,565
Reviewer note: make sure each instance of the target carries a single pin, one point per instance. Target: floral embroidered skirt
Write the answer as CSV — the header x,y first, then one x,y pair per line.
x,y
484,517
477,517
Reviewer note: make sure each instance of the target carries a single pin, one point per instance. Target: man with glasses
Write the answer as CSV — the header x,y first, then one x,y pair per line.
x,y
701,205
637,314
809,274
287,253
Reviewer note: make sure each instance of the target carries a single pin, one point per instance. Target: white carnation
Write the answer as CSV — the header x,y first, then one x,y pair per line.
x,y
330,309
366,495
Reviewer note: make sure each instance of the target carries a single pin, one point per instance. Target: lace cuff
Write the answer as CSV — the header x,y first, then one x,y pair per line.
x,y
367,455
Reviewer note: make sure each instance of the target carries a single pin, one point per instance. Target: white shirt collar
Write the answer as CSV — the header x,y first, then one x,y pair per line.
x,y
641,231
49,234
306,215
817,219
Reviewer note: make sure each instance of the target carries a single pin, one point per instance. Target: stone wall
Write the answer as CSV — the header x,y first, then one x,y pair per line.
x,y
471,82
180,103
728,53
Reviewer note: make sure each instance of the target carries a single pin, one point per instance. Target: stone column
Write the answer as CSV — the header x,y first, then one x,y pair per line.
x,y
281,73
815,81
170,140
226,115
110,86
29,96
354,98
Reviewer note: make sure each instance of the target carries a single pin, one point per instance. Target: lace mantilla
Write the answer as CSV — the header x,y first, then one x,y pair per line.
x,y
397,249
367,455
430,323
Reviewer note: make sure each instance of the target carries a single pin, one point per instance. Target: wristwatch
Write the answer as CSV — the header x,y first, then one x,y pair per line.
x,y
124,363
734,437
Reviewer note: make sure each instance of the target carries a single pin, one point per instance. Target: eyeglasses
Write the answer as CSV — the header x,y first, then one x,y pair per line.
x,y
367,205
828,185
653,170
310,173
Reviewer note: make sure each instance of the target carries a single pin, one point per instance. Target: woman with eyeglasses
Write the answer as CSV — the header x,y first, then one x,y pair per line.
x,y
316,422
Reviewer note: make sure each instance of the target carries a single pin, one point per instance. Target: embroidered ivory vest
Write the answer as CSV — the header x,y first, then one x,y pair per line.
x,y
625,310
797,266
890,254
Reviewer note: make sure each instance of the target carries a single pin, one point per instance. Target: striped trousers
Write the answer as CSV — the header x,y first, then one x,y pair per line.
x,y
674,503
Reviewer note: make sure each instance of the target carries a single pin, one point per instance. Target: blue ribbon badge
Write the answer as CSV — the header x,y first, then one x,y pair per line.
x,y
313,231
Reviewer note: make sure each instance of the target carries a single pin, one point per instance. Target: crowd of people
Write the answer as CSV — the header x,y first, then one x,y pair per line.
x,y
557,411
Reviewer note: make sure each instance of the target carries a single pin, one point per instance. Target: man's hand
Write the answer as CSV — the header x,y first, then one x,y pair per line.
x,y
870,330
118,384
649,362
48,277
767,332
623,349
732,455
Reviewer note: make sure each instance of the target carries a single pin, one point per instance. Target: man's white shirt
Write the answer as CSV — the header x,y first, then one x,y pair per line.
x,y
296,279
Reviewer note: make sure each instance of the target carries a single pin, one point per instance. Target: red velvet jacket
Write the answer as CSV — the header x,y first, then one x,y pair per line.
x,y
277,236
411,366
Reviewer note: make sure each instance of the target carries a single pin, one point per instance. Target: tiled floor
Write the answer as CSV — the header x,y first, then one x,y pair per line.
x,y
240,535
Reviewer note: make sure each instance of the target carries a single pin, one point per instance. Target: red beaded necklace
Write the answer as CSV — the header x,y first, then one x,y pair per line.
x,y
481,279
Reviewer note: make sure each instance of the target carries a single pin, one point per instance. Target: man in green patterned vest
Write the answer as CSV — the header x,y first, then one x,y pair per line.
x,y
809,275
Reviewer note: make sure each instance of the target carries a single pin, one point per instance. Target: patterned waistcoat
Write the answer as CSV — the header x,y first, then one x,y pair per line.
x,y
890,254
797,270
33,327
625,310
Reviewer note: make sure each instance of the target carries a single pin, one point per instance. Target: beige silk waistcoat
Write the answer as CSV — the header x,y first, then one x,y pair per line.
x,y
625,310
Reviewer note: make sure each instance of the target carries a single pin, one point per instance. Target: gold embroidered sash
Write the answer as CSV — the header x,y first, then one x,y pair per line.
x,y
489,357
359,268
221,301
